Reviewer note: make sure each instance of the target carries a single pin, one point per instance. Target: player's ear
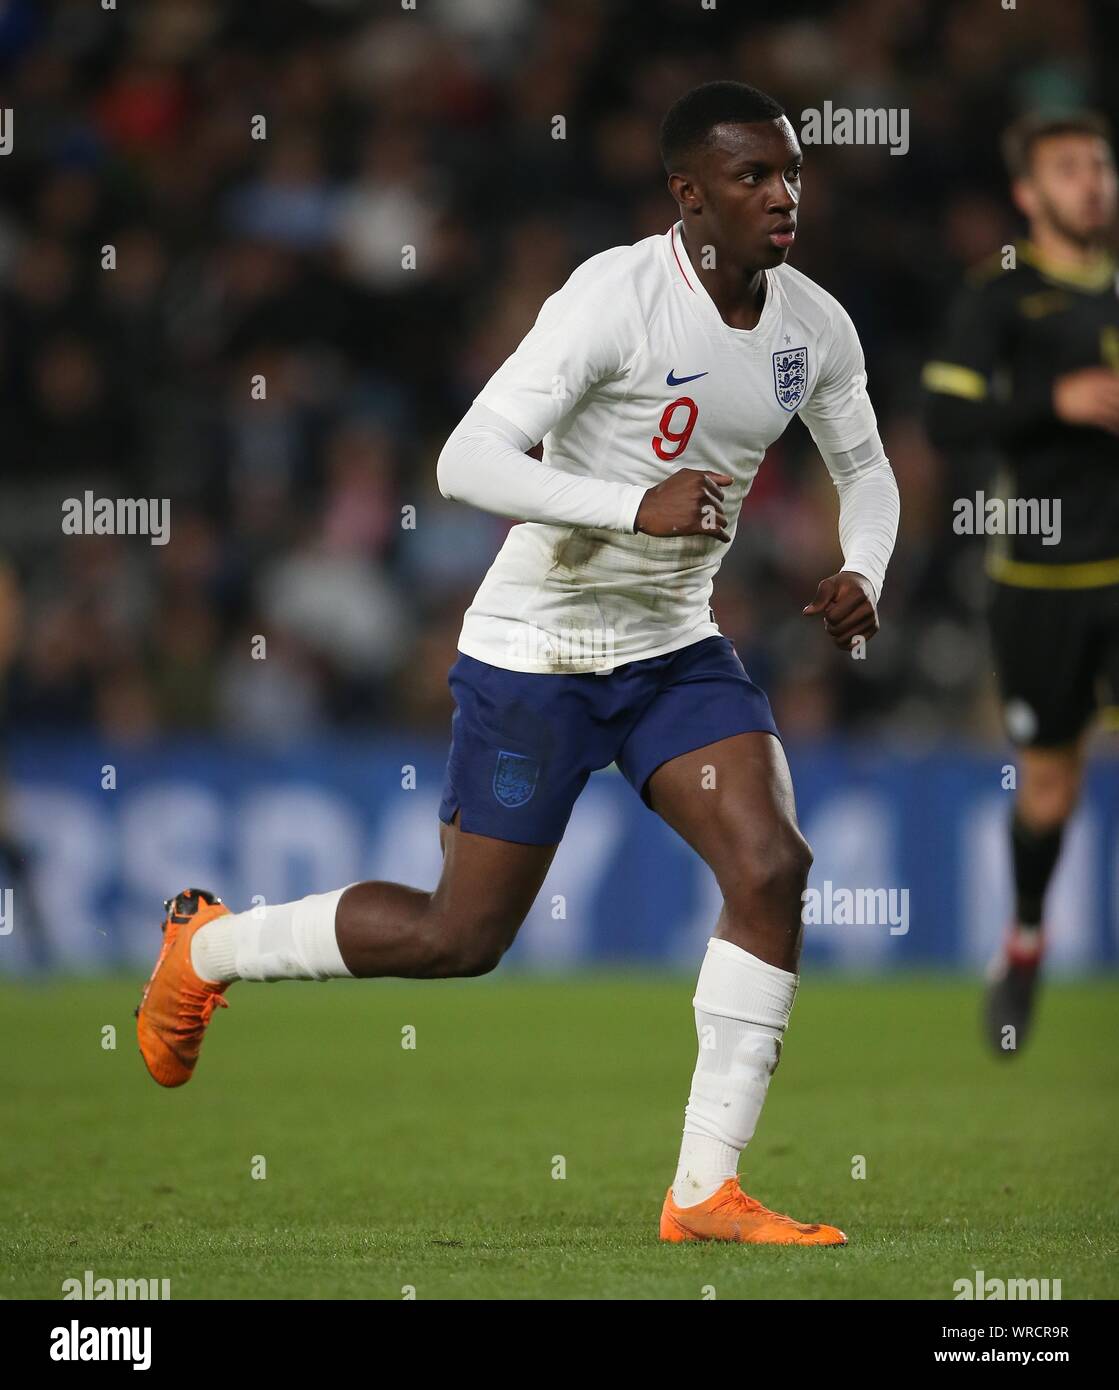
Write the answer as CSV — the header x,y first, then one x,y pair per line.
x,y
685,192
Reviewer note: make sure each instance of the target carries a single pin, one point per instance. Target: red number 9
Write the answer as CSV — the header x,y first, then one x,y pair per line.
x,y
678,437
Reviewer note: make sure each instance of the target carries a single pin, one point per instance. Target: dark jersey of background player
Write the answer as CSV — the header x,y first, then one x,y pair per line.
x,y
1012,334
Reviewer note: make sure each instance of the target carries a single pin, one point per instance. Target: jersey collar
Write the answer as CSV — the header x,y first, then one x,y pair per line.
x,y
682,271
1097,276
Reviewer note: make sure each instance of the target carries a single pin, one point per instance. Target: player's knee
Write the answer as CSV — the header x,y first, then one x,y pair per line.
x,y
776,869
1047,809
803,857
791,859
1049,792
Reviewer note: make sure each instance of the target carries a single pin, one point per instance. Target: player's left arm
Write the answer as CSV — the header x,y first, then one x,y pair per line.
x,y
842,422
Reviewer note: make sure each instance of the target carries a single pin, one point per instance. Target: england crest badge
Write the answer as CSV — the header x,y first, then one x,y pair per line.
x,y
790,376
514,779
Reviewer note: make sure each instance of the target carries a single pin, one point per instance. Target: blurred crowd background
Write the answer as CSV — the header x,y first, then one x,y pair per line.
x,y
432,128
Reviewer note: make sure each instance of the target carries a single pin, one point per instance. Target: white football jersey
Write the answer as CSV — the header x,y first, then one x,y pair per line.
x,y
630,374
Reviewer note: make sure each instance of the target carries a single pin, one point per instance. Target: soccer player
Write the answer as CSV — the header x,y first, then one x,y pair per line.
x,y
656,378
1030,373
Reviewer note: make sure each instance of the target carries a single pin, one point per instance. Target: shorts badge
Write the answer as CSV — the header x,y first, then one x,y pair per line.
x,y
514,779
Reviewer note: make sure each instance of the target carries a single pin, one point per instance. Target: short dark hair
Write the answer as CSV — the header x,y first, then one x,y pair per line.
x,y
690,120
1022,136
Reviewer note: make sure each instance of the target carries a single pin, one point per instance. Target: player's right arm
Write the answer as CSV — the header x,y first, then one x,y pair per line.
x,y
969,401
587,332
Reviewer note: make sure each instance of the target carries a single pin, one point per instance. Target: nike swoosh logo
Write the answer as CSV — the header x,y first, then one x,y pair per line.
x,y
679,380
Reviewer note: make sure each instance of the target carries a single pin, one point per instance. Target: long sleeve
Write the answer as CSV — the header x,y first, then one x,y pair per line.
x,y
869,508
484,464
841,420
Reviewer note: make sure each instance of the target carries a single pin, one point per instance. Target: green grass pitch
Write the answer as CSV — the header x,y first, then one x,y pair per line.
x,y
433,1167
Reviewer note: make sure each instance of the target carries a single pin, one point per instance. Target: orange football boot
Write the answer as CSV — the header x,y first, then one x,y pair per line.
x,y
730,1215
177,1004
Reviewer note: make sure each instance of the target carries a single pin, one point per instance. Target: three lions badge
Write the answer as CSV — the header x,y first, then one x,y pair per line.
x,y
514,779
790,376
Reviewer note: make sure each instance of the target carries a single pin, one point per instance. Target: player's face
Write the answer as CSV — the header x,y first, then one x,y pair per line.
x,y
746,190
1073,186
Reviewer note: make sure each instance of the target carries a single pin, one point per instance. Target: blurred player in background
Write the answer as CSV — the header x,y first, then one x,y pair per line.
x,y
1030,372
656,378
14,868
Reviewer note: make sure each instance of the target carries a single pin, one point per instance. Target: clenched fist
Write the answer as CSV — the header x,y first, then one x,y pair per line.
x,y
846,600
690,503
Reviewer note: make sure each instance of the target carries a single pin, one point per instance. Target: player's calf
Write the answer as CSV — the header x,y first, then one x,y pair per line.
x,y
365,931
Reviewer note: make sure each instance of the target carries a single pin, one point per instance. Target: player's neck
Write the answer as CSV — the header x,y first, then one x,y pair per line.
x,y
1059,251
737,292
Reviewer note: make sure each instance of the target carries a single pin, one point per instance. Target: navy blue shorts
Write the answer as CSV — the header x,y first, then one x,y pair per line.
x,y
523,745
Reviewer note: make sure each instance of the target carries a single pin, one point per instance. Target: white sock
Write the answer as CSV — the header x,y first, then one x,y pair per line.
x,y
290,941
742,1007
